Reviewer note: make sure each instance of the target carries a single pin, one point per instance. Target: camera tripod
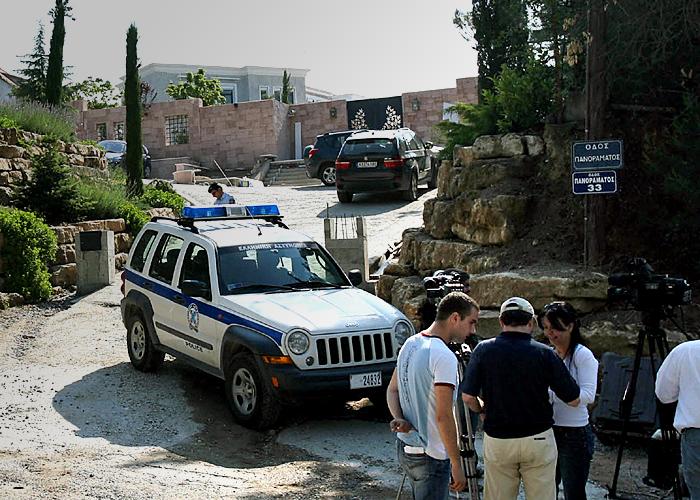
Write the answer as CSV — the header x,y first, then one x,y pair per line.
x,y
657,343
465,432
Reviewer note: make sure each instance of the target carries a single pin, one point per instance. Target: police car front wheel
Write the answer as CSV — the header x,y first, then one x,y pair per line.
x,y
251,401
142,353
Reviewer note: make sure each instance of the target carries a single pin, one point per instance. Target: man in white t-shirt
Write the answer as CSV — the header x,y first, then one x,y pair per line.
x,y
678,379
421,396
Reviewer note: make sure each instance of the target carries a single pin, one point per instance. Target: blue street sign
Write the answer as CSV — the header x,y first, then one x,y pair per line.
x,y
600,182
596,155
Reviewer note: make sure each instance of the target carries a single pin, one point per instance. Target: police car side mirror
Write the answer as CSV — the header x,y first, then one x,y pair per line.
x,y
355,277
195,288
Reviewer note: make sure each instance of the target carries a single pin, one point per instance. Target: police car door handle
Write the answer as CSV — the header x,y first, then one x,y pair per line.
x,y
179,299
148,286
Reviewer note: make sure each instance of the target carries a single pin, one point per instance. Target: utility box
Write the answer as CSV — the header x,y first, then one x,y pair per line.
x,y
94,259
346,240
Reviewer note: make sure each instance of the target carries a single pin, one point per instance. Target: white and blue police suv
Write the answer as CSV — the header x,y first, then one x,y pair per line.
x,y
234,292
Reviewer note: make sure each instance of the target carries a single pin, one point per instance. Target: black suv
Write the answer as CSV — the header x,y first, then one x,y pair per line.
x,y
320,163
384,160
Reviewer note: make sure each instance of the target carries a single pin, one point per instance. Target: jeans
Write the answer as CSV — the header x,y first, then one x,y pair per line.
x,y
429,477
690,456
575,451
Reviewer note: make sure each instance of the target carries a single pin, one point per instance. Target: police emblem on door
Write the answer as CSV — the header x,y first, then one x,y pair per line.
x,y
193,317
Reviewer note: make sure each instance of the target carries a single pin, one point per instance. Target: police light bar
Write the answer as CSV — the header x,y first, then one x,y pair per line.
x,y
233,211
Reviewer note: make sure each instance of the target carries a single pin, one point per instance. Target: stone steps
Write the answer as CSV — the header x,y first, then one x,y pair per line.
x,y
290,176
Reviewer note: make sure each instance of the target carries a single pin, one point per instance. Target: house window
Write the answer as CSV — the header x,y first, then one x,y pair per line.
x,y
292,96
119,131
264,92
277,92
231,94
176,131
101,129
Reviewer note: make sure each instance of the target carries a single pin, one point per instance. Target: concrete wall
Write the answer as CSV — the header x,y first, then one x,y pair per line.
x,y
316,119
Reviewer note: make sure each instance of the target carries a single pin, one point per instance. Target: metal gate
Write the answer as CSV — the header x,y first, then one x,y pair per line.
x,y
375,114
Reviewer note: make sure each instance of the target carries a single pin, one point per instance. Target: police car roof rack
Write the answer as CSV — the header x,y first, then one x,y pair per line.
x,y
186,222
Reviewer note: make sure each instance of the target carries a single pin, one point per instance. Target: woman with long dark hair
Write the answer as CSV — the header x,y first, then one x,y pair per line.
x,y
572,429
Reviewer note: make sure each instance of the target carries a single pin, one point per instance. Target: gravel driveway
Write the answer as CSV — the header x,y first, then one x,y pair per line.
x,y
304,208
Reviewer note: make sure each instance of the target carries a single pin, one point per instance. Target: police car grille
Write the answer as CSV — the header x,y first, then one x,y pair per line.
x,y
352,349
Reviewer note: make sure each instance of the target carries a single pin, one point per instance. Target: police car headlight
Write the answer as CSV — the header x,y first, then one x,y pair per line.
x,y
402,331
298,342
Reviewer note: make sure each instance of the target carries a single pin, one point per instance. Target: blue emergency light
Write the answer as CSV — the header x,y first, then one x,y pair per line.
x,y
217,211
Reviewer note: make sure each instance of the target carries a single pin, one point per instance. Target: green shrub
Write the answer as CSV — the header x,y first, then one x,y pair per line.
x,y
7,122
161,199
522,99
101,199
162,185
29,246
58,123
474,120
134,217
52,191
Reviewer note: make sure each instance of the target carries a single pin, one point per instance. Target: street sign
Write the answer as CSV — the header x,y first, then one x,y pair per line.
x,y
600,182
596,155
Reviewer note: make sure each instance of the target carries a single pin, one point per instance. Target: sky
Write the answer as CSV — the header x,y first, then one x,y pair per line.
x,y
374,48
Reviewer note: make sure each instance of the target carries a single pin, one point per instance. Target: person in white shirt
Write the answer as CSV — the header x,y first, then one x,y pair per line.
x,y
421,395
572,429
221,198
678,379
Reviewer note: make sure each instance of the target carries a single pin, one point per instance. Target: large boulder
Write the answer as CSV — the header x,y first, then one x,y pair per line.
x,y
585,291
487,146
64,275
490,221
462,156
405,289
438,216
383,287
482,174
512,145
605,336
441,254
444,179
10,152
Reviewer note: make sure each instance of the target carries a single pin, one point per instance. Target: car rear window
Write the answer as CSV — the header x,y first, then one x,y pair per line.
x,y
369,146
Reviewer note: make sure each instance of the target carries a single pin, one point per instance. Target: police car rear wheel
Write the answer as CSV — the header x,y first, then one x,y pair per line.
x,y
143,355
250,400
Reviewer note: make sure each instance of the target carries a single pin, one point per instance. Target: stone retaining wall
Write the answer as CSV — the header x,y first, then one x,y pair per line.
x,y
63,270
17,147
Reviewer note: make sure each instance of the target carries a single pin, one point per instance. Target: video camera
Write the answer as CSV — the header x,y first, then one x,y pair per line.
x,y
640,287
444,281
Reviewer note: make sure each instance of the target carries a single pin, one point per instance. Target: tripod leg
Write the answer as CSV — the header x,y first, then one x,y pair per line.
x,y
403,480
627,402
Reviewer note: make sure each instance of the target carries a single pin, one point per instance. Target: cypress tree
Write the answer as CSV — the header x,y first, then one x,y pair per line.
x,y
132,99
286,87
33,88
54,72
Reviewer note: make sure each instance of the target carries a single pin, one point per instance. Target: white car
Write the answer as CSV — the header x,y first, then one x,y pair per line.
x,y
234,292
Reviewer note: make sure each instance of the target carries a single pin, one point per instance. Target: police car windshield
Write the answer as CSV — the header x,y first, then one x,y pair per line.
x,y
276,267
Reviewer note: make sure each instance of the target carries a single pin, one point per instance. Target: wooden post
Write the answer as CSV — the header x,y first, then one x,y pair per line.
x,y
596,101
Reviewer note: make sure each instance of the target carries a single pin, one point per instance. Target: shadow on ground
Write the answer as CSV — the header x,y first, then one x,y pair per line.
x,y
181,410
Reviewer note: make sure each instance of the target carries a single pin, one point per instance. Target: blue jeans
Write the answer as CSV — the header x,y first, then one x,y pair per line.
x,y
690,456
430,478
575,451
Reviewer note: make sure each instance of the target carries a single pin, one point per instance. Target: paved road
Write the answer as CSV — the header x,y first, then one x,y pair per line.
x,y
304,209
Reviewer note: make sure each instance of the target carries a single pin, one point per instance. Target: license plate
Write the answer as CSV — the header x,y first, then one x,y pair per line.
x,y
366,164
362,380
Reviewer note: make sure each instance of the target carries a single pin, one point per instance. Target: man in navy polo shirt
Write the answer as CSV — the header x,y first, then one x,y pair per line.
x,y
507,379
